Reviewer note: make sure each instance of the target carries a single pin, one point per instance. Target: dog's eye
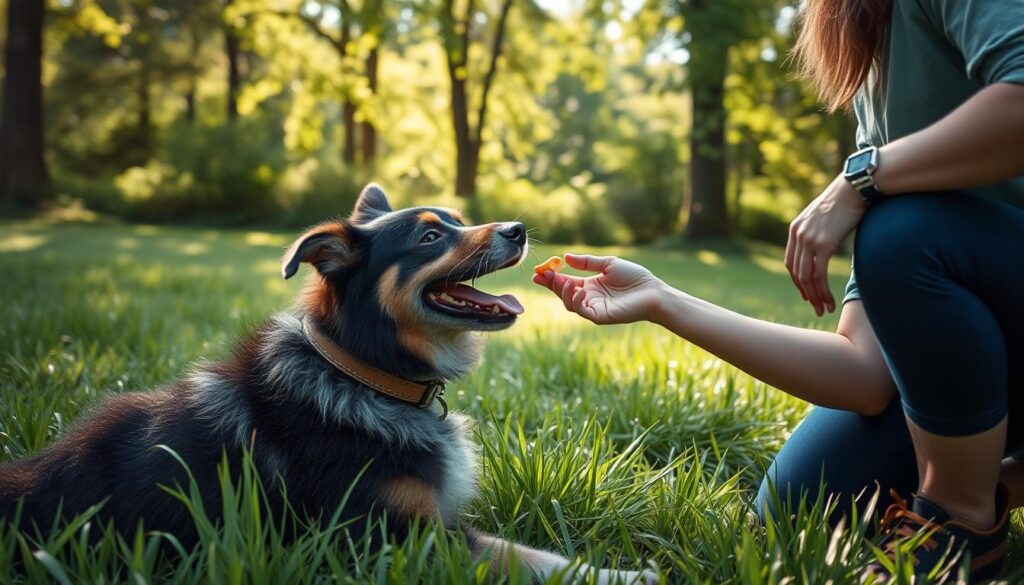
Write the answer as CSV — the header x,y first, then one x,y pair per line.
x,y
431,236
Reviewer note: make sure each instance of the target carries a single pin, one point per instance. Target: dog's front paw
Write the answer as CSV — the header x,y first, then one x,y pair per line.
x,y
613,577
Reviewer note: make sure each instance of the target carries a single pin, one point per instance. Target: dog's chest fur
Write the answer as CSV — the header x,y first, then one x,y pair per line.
x,y
401,439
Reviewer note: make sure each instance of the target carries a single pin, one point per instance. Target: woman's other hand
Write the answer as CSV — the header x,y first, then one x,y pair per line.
x,y
816,235
622,292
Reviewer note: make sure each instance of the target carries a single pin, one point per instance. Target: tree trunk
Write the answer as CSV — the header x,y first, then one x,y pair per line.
x,y
232,50
466,169
190,105
348,109
468,142
145,117
466,153
369,131
708,214
23,176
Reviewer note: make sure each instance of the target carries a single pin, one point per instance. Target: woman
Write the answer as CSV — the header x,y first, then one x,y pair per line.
x,y
935,309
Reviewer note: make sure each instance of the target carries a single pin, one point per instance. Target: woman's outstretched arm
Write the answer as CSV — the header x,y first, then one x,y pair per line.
x,y
842,370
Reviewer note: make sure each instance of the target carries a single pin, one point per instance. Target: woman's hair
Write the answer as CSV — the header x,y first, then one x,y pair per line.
x,y
839,44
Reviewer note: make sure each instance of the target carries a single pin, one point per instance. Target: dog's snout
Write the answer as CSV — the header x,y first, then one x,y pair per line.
x,y
516,232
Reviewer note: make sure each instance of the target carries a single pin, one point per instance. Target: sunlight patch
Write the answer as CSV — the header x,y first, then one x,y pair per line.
x,y
264,239
709,258
194,248
21,243
770,263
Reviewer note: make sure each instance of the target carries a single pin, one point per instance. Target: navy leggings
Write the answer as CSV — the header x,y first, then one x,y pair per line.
x,y
941,276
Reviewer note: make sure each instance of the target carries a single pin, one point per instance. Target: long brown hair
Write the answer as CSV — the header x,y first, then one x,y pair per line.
x,y
839,44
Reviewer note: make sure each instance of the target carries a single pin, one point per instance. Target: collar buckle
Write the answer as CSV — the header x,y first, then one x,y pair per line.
x,y
435,389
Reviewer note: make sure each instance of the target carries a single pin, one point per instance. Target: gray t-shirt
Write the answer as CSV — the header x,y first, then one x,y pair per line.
x,y
936,55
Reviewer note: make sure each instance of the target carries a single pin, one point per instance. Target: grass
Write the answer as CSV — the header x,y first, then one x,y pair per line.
x,y
621,445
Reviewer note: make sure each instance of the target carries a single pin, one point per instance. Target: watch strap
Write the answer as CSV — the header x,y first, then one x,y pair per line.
x,y
865,185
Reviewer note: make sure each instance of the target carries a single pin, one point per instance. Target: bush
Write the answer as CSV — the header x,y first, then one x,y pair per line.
x,y
647,188
764,225
563,215
225,172
318,188
97,193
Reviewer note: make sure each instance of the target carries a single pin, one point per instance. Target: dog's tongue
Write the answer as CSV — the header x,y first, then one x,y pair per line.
x,y
507,303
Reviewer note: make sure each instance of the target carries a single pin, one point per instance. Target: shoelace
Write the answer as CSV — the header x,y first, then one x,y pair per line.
x,y
902,523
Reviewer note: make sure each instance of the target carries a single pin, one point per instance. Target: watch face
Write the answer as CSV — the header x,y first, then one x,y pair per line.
x,y
858,164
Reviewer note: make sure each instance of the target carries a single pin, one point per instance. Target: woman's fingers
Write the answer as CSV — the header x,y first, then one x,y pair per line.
x,y
805,275
791,265
821,259
588,262
571,290
578,306
568,289
554,281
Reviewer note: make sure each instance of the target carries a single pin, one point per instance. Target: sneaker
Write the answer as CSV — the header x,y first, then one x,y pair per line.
x,y
943,542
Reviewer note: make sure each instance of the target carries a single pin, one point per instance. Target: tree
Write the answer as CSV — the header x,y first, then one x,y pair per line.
x,y
23,175
362,23
711,29
232,49
457,33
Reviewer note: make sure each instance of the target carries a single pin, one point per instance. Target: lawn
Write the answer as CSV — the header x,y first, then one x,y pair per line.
x,y
618,444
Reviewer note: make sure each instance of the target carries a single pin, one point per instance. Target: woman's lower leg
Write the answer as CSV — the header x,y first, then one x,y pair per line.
x,y
960,473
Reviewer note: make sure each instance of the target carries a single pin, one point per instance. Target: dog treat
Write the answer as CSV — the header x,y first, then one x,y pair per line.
x,y
553,263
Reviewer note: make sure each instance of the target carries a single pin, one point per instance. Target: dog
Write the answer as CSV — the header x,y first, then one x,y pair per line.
x,y
346,388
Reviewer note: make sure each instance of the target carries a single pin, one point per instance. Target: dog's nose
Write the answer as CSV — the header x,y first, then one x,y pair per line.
x,y
514,231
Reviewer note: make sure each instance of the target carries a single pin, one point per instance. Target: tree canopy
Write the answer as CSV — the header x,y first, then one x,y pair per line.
x,y
610,121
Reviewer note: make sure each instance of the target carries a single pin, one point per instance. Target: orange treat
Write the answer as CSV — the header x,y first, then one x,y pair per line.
x,y
553,263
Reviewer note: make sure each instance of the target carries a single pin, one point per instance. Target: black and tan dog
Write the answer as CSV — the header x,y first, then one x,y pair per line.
x,y
346,383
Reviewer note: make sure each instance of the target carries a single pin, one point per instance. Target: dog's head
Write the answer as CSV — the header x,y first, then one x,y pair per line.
x,y
391,285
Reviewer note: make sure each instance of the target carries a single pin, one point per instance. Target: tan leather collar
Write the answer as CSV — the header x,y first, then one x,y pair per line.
x,y
420,394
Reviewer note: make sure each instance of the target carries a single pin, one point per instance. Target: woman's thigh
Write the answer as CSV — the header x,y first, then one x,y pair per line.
x,y
847,452
942,281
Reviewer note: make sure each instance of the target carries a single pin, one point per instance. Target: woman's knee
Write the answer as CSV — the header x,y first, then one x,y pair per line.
x,y
834,456
893,243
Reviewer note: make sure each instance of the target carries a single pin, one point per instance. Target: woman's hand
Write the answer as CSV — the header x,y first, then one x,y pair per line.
x,y
816,234
623,292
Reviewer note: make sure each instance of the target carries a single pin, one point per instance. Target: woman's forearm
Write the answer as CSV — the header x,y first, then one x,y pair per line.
x,y
979,143
836,370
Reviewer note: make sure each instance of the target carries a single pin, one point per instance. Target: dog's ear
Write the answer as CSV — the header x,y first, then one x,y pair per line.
x,y
372,203
327,246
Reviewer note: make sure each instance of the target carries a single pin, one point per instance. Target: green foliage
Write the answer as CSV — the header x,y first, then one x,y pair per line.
x,y
618,445
227,172
561,215
587,134
646,180
318,188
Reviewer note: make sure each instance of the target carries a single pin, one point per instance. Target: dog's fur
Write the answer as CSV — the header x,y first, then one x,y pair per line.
x,y
310,427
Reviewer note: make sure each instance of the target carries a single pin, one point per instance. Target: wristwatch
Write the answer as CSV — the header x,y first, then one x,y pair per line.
x,y
859,171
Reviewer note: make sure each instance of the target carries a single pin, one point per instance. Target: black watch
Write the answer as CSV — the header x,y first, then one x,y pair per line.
x,y
859,171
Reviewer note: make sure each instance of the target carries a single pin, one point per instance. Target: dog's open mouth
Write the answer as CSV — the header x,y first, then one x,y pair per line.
x,y
463,301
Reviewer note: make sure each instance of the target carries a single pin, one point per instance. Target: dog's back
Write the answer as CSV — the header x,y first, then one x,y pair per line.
x,y
305,424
